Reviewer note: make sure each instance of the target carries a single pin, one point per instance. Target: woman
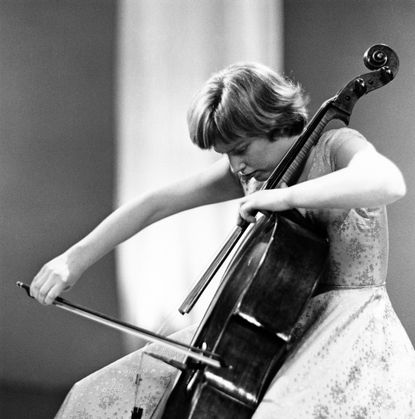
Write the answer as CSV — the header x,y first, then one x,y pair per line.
x,y
350,355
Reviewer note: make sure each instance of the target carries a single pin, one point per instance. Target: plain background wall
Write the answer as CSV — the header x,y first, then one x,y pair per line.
x,y
56,164
56,182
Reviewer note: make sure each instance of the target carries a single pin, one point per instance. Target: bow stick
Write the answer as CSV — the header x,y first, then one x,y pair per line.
x,y
201,355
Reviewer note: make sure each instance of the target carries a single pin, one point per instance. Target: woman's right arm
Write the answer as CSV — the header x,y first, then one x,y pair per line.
x,y
216,184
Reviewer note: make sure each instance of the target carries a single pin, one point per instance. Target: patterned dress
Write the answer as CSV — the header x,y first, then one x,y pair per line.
x,y
350,357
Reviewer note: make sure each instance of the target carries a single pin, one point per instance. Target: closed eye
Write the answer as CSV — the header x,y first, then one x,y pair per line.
x,y
238,151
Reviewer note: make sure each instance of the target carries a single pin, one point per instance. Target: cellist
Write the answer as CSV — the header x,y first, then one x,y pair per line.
x,y
350,355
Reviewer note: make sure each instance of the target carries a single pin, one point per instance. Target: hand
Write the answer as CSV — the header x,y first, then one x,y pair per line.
x,y
265,200
54,278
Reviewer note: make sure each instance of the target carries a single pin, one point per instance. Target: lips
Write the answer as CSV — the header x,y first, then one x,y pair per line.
x,y
258,175
248,176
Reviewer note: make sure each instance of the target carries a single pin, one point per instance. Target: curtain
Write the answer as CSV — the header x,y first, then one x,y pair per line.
x,y
166,50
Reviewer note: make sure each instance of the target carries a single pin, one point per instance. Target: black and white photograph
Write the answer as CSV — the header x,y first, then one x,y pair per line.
x,y
207,209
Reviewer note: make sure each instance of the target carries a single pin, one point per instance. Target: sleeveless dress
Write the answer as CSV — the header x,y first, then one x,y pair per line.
x,y
350,356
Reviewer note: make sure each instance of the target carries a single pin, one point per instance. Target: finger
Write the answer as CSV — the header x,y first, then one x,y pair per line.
x,y
35,288
37,283
240,221
44,291
246,213
52,294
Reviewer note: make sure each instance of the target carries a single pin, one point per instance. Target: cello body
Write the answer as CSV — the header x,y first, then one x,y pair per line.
x,y
251,320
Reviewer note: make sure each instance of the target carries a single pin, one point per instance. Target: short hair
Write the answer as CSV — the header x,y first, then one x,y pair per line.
x,y
246,100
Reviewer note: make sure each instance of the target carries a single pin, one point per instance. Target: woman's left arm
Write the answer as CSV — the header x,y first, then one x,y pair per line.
x,y
362,178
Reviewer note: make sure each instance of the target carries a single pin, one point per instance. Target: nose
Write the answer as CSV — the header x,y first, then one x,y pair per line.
x,y
237,163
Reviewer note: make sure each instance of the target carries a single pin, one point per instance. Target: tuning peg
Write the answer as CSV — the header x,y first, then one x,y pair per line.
x,y
360,87
386,74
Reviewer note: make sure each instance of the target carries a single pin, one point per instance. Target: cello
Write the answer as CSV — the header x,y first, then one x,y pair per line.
x,y
267,285
248,327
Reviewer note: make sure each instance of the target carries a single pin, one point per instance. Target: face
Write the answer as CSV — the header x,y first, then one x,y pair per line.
x,y
255,157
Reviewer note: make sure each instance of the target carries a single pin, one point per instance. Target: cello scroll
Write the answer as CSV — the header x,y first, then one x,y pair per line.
x,y
384,62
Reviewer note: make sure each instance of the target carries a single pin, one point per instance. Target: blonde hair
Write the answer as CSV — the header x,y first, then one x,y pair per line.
x,y
246,100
